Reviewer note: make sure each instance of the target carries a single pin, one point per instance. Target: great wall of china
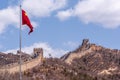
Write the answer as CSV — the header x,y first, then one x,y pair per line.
x,y
14,67
85,49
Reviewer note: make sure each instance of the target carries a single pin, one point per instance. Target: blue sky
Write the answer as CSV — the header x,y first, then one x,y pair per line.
x,y
60,25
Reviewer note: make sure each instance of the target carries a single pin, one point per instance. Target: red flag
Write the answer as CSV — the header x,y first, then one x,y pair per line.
x,y
26,21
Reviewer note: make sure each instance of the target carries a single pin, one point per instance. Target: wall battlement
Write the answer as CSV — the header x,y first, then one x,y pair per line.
x,y
14,67
38,52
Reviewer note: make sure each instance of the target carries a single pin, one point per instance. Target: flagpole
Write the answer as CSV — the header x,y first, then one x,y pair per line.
x,y
20,40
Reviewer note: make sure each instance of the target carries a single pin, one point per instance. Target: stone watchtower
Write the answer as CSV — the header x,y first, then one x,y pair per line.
x,y
38,52
85,44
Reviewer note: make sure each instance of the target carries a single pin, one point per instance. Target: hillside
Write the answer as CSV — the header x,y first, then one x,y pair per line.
x,y
87,62
95,60
50,69
10,58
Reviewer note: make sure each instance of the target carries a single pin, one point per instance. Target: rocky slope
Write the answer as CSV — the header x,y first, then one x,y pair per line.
x,y
12,58
88,62
56,69
95,60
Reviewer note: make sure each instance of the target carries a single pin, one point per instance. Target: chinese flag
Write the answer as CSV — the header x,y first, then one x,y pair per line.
x,y
26,21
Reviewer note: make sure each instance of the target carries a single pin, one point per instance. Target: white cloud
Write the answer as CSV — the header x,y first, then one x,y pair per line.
x,y
34,8
46,47
105,12
11,16
64,15
43,8
8,16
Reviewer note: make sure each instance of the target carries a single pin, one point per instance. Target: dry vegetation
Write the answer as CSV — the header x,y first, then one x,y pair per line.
x,y
55,69
87,67
51,69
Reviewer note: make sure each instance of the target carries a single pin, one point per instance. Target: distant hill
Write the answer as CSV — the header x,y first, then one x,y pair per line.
x,y
95,60
12,58
88,62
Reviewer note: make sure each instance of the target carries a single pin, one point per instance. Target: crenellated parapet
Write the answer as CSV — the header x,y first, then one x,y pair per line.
x,y
86,45
94,47
14,67
38,52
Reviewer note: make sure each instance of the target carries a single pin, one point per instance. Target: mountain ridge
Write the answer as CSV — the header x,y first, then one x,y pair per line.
x,y
86,48
88,62
97,59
